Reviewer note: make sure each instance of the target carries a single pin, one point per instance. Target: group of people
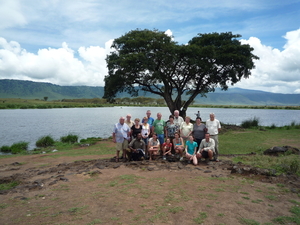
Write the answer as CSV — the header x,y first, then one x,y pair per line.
x,y
177,136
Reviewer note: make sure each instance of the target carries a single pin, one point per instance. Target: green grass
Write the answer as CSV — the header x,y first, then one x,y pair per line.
x,y
254,140
8,186
248,221
200,219
295,218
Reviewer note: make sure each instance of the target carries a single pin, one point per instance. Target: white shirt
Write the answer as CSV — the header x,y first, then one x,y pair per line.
x,y
213,126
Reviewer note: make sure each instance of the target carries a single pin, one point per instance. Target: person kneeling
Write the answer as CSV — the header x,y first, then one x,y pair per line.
x,y
137,147
166,148
153,146
207,148
190,149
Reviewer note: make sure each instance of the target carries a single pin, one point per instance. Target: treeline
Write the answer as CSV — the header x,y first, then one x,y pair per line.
x,y
17,103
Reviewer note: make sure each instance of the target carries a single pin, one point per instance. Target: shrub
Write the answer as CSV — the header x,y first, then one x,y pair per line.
x,y
91,140
71,138
5,148
250,123
45,141
19,147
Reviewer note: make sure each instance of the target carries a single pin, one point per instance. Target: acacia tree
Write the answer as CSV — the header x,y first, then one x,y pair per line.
x,y
150,61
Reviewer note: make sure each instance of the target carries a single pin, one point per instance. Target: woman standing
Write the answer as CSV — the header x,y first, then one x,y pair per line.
x,y
171,129
145,132
186,129
199,131
136,128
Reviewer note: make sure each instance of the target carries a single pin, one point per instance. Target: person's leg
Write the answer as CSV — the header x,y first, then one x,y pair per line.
x,y
161,138
125,146
146,148
118,149
195,161
210,154
216,139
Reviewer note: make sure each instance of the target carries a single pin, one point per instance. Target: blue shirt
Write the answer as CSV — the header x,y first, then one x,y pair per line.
x,y
150,121
191,147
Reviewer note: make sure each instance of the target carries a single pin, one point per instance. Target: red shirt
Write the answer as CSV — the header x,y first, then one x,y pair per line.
x,y
168,146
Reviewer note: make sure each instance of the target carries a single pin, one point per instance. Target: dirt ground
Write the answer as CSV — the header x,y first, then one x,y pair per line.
x,y
70,190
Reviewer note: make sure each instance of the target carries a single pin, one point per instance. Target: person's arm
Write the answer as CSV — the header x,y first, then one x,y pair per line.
x,y
191,130
200,147
211,146
158,143
114,137
195,150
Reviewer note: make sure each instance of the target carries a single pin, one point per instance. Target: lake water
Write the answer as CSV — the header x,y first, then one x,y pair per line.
x,y
30,124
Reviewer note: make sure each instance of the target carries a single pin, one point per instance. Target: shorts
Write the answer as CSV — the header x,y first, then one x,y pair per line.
x,y
122,145
204,154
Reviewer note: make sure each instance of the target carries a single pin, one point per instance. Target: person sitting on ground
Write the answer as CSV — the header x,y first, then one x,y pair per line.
x,y
190,150
137,147
178,146
166,148
207,148
153,146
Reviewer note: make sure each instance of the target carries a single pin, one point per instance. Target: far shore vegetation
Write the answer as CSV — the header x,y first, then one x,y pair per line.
x,y
245,143
45,103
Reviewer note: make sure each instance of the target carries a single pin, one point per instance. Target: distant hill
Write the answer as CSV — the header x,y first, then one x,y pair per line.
x,y
234,96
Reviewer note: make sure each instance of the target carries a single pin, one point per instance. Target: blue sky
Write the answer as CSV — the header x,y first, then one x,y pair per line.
x,y
65,42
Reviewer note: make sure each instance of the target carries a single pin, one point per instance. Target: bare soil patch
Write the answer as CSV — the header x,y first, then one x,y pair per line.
x,y
70,190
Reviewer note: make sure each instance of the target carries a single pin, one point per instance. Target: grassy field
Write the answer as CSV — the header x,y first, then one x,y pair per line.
x,y
18,103
138,196
236,141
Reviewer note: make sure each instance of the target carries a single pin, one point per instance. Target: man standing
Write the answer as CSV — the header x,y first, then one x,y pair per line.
x,y
150,119
213,128
137,147
121,134
178,120
159,128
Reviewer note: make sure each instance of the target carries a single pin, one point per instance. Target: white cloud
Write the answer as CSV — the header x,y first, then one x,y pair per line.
x,y
59,66
276,71
11,14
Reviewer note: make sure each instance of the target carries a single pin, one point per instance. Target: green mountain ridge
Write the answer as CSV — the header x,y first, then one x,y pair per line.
x,y
233,96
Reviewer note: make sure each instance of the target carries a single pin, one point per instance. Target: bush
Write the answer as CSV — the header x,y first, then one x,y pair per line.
x,y
91,140
45,141
5,148
71,138
19,147
250,123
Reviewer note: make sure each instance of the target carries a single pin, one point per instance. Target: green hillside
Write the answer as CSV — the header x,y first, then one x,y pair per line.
x,y
234,96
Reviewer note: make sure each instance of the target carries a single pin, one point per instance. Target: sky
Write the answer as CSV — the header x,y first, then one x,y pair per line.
x,y
65,42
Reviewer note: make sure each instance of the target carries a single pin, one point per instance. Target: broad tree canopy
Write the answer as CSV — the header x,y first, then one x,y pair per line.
x,y
153,62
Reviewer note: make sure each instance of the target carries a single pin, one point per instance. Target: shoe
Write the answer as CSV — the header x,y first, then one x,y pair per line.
x,y
181,159
164,158
217,160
